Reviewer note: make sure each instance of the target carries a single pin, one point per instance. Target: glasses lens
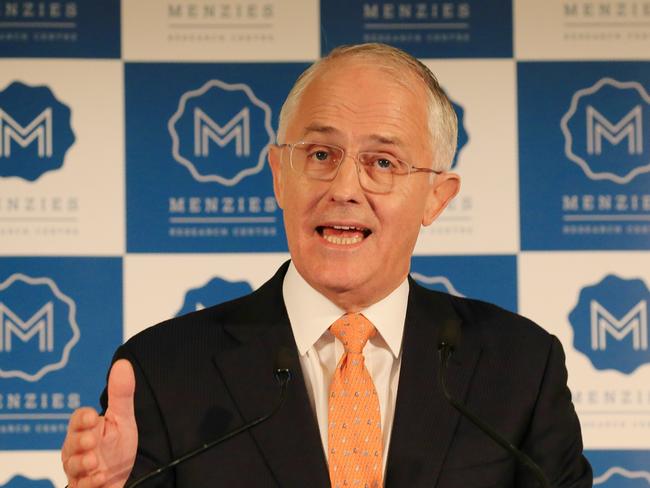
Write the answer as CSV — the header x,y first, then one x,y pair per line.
x,y
317,161
379,170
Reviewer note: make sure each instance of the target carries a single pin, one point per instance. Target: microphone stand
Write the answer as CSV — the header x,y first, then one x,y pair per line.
x,y
283,375
444,351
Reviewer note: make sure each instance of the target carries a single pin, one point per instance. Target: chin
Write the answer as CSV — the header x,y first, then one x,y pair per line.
x,y
337,276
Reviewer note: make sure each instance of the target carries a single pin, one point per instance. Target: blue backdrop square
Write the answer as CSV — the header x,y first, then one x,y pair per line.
x,y
60,29
468,275
450,29
61,321
196,146
584,155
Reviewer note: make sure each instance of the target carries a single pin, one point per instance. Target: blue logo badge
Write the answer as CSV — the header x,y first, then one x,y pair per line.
x,y
220,132
610,324
620,469
215,291
38,327
463,136
436,283
19,481
606,130
35,131
618,477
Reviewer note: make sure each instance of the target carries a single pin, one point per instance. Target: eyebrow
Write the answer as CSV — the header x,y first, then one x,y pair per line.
x,y
321,129
394,141
328,129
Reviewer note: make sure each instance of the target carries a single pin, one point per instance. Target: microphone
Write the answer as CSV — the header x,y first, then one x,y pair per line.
x,y
282,373
447,344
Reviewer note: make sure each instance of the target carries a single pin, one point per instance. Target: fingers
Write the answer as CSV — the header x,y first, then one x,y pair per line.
x,y
84,418
121,388
94,481
80,470
80,435
80,465
86,454
78,453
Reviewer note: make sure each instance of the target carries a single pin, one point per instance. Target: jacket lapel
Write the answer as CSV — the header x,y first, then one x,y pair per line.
x,y
289,441
424,422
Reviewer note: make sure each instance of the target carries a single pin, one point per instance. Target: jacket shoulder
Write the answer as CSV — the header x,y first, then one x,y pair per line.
x,y
495,325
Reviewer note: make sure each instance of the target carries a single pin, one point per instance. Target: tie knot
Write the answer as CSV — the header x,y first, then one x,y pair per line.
x,y
353,330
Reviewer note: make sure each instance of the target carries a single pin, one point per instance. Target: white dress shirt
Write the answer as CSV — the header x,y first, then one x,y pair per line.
x,y
311,315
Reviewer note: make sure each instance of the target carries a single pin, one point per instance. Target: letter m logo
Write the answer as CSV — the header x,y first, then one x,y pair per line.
x,y
206,129
39,130
630,127
635,322
41,324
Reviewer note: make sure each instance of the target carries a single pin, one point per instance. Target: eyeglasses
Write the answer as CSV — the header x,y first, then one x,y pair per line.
x,y
377,170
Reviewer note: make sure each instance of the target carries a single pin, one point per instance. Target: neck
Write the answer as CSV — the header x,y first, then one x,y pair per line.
x,y
356,300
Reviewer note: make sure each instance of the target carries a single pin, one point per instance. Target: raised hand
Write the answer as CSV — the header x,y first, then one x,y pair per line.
x,y
99,451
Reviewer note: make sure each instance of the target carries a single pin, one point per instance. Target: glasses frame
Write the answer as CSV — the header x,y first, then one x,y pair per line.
x,y
411,168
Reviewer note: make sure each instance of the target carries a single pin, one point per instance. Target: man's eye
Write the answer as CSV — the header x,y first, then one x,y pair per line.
x,y
384,163
318,154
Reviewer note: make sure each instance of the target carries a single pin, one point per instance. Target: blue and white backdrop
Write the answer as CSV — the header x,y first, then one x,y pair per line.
x,y
134,185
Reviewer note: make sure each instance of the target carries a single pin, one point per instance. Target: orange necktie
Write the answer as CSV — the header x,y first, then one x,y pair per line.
x,y
354,421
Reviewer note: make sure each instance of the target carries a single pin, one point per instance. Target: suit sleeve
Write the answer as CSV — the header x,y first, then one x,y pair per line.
x,y
553,438
153,441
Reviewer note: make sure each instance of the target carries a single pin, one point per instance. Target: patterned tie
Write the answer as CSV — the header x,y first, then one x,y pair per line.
x,y
354,433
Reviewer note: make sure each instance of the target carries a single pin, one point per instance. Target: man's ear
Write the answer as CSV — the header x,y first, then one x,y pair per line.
x,y
444,189
275,161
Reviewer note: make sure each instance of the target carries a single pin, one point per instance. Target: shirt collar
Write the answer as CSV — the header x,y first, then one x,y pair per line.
x,y
311,314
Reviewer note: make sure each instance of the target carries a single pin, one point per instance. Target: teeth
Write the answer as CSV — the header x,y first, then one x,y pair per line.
x,y
346,227
346,241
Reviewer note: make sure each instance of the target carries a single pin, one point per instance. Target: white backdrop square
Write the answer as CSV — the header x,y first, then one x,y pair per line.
x,y
484,217
579,29
160,286
38,467
77,209
256,30
596,303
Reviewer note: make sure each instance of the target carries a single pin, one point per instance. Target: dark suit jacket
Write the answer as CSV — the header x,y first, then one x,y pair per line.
x,y
203,374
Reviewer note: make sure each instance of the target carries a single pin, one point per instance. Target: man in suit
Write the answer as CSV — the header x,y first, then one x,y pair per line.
x,y
366,138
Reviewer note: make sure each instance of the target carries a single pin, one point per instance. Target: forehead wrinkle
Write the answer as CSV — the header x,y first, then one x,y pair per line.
x,y
390,140
379,110
384,125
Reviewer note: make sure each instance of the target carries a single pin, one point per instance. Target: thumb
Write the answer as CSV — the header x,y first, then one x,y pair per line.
x,y
121,388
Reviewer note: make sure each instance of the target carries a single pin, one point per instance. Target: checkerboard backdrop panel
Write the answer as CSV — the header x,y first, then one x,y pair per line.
x,y
134,185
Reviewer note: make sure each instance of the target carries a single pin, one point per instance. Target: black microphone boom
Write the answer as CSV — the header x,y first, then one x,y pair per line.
x,y
448,342
282,372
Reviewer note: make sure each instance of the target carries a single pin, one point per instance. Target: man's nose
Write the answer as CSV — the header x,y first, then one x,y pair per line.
x,y
346,185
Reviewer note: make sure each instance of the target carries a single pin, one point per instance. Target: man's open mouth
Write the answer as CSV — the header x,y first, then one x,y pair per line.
x,y
344,235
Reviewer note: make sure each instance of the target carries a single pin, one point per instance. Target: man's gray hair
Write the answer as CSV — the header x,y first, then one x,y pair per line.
x,y
443,125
